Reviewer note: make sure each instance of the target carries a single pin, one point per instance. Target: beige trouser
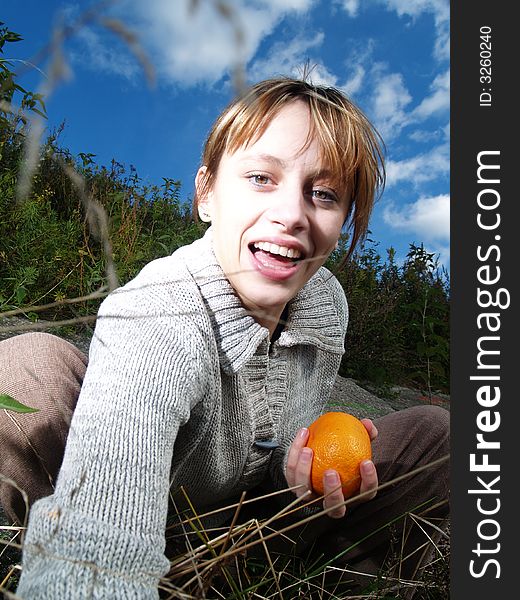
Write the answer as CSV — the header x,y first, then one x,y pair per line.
x,y
46,372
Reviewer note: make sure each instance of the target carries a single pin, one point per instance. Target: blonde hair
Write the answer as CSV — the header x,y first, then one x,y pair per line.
x,y
351,148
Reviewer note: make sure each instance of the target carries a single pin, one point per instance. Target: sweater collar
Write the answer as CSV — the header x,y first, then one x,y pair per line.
x,y
312,314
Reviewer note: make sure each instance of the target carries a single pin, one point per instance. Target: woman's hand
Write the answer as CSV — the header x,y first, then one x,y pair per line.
x,y
298,473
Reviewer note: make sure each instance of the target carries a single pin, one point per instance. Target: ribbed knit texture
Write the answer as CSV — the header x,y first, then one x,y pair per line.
x,y
181,382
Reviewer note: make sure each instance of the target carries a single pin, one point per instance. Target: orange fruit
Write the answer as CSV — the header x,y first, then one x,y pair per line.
x,y
339,441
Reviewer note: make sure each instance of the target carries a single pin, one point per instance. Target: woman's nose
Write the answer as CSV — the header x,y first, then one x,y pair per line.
x,y
289,209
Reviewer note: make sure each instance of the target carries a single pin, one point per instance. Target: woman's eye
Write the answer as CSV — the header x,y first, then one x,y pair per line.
x,y
259,179
324,195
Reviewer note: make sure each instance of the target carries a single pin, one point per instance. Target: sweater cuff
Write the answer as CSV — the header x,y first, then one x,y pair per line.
x,y
70,555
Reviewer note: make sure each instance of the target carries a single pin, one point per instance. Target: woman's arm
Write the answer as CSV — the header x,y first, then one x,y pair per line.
x,y
102,532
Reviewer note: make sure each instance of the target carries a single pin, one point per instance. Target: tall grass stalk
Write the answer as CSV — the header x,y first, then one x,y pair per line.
x,y
236,562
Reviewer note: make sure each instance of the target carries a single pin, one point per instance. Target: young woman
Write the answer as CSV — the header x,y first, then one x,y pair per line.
x,y
205,369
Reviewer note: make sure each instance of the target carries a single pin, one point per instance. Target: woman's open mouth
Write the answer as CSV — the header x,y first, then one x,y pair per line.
x,y
276,250
275,261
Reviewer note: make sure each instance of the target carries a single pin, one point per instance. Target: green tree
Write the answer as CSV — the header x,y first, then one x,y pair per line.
x,y
426,308
13,117
398,317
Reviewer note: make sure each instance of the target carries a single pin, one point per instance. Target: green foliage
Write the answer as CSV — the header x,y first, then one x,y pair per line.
x,y
13,117
399,317
9,403
426,307
48,251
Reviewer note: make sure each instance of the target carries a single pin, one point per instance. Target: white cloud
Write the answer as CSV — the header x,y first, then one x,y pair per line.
x,y
438,101
356,66
189,43
200,46
90,48
428,218
355,82
351,6
288,5
385,94
389,100
424,136
439,9
414,8
421,168
102,57
289,58
390,104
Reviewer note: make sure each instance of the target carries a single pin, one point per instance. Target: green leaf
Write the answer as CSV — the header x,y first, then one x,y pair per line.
x,y
9,403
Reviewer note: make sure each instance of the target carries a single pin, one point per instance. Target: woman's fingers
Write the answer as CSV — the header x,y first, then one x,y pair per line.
x,y
303,472
334,498
299,461
370,427
369,480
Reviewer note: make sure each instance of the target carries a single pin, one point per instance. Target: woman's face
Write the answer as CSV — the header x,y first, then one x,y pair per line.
x,y
275,215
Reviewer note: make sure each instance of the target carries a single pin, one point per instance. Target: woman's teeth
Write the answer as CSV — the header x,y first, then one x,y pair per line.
x,y
276,249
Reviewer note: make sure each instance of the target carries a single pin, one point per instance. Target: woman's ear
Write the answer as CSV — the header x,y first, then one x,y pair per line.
x,y
201,190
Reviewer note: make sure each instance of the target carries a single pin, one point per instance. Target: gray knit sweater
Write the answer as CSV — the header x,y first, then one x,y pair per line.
x,y
181,383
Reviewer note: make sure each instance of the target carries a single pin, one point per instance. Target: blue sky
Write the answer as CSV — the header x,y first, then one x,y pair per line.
x,y
390,56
